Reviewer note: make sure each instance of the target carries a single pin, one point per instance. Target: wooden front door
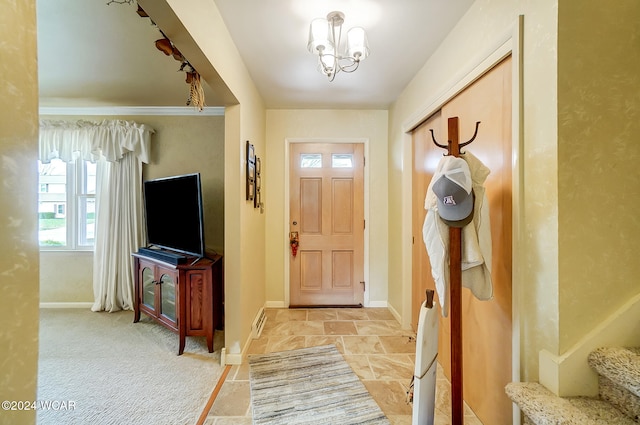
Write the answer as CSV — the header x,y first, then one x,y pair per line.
x,y
327,212
486,325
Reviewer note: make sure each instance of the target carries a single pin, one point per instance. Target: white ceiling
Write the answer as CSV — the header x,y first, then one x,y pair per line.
x,y
94,54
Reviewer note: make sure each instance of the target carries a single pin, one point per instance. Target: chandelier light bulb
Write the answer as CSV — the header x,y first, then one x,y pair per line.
x,y
319,35
357,46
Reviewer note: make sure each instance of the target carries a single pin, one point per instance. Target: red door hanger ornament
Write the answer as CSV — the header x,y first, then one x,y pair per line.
x,y
294,242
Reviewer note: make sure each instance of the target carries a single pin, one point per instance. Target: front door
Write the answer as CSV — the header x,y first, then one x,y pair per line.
x,y
327,217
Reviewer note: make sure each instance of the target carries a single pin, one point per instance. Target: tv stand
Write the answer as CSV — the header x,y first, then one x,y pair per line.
x,y
186,298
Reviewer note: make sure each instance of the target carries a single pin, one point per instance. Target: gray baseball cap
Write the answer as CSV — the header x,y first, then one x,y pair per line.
x,y
453,189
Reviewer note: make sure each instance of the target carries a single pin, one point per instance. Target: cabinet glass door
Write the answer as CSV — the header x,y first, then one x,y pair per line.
x,y
148,288
168,297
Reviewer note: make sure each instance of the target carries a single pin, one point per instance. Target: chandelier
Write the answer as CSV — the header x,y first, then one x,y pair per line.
x,y
325,41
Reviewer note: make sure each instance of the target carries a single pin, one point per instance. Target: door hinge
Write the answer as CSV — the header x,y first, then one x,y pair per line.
x,y
364,224
364,286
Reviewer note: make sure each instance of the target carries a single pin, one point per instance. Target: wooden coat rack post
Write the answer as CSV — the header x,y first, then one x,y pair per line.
x,y
455,284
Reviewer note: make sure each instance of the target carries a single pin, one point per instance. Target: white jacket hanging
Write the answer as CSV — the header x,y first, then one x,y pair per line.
x,y
476,240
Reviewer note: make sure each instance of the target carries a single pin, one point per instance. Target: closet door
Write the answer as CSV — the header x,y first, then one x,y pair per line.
x,y
486,325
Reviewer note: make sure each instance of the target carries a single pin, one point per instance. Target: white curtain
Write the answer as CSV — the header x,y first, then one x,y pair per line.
x,y
119,148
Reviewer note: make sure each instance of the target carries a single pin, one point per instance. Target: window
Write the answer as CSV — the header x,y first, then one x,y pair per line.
x,y
342,160
60,210
66,204
311,160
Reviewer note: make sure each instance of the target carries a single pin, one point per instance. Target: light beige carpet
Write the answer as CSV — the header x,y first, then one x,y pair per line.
x,y
114,371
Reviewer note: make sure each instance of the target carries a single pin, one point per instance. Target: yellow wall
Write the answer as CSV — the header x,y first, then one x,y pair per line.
x,y
72,283
598,157
192,144
180,145
18,206
325,125
479,32
245,120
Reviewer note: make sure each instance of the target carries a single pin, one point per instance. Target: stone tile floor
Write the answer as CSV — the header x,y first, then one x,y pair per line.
x,y
372,342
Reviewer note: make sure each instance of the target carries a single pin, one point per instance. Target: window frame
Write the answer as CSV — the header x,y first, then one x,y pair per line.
x,y
76,201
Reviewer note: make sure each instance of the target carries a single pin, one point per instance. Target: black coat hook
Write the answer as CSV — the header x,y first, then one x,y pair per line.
x,y
475,133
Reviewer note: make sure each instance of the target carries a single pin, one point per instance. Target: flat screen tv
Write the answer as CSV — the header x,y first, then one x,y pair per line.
x,y
173,210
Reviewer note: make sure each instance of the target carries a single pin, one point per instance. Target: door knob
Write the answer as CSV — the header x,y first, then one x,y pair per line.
x,y
295,223
294,242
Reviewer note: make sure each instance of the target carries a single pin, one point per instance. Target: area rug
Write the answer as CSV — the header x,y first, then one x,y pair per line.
x,y
103,369
309,386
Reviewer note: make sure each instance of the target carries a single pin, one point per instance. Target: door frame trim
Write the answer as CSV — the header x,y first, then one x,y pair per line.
x,y
328,140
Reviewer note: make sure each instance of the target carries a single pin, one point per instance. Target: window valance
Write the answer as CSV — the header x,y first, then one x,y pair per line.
x,y
69,140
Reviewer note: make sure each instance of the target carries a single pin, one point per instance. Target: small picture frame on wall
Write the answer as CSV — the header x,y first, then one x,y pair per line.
x,y
258,184
250,173
251,154
257,201
251,191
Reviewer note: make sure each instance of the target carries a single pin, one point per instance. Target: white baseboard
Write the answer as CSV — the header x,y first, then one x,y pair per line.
x,y
233,359
236,358
67,305
377,304
394,313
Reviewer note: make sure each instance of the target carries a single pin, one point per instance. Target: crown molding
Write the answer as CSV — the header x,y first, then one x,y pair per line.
x,y
132,110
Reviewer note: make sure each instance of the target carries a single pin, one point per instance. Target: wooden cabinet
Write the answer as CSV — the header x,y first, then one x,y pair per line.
x,y
186,298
